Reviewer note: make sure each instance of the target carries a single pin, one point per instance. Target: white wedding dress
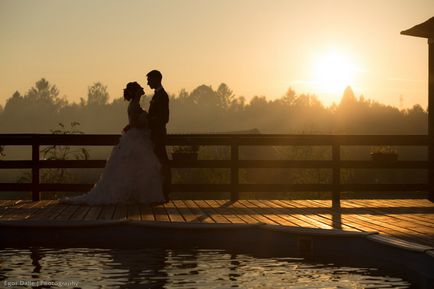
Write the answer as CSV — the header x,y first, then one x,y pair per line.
x,y
132,172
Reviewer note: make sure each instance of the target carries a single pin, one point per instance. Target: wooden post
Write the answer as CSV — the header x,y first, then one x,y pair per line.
x,y
431,118
234,170
425,30
35,169
336,179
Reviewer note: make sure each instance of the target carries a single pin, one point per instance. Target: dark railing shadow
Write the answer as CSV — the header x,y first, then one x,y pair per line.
x,y
203,215
336,212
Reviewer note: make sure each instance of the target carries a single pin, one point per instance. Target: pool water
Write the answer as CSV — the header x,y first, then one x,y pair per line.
x,y
175,268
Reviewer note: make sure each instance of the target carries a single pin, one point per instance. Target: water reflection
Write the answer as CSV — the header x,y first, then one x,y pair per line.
x,y
169,268
138,269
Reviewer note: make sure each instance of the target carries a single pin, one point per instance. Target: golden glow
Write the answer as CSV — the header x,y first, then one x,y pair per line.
x,y
256,47
333,71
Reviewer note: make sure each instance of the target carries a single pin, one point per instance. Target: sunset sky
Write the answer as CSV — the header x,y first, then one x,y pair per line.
x,y
257,47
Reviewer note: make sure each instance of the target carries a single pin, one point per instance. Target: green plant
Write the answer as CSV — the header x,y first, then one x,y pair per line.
x,y
384,154
59,152
186,149
383,150
56,152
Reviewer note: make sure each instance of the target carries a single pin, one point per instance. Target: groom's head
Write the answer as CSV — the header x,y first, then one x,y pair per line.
x,y
154,79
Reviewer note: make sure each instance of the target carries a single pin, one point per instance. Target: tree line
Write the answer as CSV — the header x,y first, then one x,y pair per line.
x,y
209,110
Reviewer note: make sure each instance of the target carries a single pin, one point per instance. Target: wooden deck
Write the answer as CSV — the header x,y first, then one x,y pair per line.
x,y
411,220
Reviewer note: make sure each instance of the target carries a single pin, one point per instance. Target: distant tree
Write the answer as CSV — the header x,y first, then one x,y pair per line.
x,y
13,103
204,96
44,93
226,95
348,98
289,97
97,94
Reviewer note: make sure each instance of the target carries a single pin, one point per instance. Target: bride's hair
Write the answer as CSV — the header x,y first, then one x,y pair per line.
x,y
132,89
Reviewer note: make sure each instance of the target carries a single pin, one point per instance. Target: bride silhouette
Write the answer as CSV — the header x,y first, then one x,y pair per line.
x,y
132,172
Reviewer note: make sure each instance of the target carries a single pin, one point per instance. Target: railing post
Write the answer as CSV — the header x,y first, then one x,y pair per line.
x,y
234,169
431,170
431,118
35,169
336,180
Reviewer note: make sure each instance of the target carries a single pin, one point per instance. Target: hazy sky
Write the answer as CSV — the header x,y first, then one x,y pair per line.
x,y
257,47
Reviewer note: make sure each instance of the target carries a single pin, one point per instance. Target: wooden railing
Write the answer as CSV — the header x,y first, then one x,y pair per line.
x,y
234,141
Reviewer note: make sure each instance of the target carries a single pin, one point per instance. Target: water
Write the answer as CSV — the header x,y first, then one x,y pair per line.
x,y
175,268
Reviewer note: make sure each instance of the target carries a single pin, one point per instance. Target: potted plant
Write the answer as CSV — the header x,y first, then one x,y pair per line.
x,y
189,152
384,154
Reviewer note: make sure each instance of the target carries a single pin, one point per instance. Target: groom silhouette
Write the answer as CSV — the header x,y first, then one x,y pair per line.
x,y
158,117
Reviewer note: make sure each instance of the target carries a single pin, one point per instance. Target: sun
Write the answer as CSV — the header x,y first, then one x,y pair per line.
x,y
333,71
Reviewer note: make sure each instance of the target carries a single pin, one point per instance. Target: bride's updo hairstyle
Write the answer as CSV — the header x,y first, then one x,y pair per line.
x,y
132,89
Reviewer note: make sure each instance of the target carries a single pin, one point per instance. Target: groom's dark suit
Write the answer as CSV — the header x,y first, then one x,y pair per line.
x,y
158,116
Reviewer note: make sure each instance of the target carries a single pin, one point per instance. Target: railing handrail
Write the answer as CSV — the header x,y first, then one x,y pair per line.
x,y
223,139
234,141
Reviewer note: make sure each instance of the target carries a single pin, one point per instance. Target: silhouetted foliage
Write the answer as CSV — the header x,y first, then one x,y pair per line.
x,y
207,110
97,94
59,152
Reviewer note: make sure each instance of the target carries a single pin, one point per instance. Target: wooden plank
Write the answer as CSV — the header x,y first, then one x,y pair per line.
x,y
107,212
80,213
283,211
232,207
413,203
67,213
133,212
310,219
349,219
393,212
173,213
93,213
121,212
243,207
276,215
7,205
44,206
333,220
332,217
266,217
16,211
185,211
382,212
422,219
3,202
373,222
54,209
368,222
201,215
211,211
387,222
160,213
221,209
146,213
248,213
33,208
